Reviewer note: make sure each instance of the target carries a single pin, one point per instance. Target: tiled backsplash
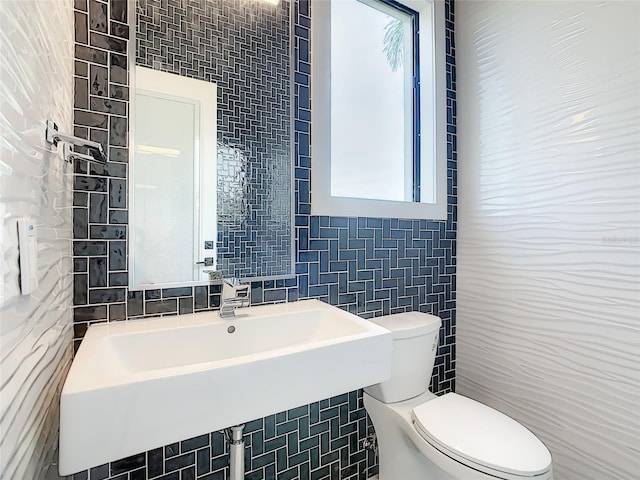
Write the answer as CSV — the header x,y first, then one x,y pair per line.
x,y
369,266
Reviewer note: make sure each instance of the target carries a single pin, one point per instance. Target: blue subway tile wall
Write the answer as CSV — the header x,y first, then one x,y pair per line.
x,y
100,213
322,440
243,47
369,266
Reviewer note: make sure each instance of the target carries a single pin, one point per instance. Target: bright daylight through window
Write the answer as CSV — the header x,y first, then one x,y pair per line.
x,y
372,99
377,94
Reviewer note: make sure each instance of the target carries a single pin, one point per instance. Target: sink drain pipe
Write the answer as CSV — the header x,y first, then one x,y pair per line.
x,y
236,452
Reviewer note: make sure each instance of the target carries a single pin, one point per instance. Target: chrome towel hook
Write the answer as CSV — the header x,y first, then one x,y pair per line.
x,y
96,152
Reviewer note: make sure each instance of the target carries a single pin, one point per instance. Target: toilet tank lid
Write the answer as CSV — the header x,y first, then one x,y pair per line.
x,y
409,324
479,436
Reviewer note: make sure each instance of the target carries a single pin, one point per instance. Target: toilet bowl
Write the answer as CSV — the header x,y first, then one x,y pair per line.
x,y
422,436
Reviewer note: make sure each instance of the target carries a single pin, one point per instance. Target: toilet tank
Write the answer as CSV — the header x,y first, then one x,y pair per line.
x,y
415,341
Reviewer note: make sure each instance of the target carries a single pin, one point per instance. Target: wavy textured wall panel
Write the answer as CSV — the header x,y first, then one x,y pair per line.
x,y
549,224
36,71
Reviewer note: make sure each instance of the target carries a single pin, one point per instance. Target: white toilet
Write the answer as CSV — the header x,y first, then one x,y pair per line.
x,y
425,437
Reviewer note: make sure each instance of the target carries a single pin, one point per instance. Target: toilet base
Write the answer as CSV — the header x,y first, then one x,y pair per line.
x,y
405,455
399,455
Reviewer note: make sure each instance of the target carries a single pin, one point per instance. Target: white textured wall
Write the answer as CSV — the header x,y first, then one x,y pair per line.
x,y
549,243
36,84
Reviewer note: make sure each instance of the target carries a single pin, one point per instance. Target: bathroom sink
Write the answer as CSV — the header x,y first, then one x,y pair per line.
x,y
138,385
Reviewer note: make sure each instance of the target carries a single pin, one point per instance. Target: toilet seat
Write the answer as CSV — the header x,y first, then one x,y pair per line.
x,y
480,437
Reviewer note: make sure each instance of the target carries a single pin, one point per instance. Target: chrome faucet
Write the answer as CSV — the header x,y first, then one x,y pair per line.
x,y
234,295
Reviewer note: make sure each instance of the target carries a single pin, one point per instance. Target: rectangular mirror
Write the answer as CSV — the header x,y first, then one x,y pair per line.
x,y
211,127
173,173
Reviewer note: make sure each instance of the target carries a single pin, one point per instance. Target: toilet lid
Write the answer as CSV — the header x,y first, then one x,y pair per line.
x,y
480,437
409,324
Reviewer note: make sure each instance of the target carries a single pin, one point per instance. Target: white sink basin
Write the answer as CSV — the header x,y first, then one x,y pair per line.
x,y
138,385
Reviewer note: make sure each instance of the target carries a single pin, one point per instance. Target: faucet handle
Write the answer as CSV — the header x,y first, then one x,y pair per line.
x,y
215,276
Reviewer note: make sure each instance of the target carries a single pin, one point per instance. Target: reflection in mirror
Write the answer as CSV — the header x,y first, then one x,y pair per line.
x,y
243,47
173,178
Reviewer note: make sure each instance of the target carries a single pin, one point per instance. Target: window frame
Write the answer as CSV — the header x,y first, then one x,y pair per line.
x,y
431,135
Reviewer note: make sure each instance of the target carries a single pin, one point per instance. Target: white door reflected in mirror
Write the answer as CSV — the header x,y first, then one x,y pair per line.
x,y
173,197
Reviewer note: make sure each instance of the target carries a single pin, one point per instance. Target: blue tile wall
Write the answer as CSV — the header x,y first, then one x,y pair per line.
x,y
318,441
369,266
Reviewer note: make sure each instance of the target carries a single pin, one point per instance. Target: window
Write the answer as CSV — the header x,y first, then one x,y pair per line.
x,y
379,109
